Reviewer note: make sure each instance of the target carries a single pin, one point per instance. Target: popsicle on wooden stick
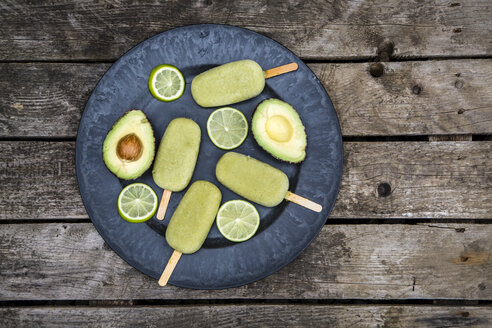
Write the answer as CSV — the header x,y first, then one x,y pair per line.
x,y
176,159
191,222
257,181
233,82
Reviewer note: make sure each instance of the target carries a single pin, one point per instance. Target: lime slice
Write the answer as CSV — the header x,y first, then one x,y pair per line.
x,y
227,128
166,83
238,220
137,203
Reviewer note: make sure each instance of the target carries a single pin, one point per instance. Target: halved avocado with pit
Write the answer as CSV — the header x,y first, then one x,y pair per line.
x,y
278,129
129,147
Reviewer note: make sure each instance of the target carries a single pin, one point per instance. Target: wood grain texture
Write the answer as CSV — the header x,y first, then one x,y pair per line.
x,y
250,316
38,180
45,100
416,180
439,261
316,29
411,98
455,97
380,180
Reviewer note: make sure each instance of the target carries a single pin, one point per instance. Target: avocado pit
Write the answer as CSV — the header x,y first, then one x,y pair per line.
x,y
129,148
279,128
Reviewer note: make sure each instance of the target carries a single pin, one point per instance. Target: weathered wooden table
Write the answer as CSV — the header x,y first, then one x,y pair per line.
x,y
409,242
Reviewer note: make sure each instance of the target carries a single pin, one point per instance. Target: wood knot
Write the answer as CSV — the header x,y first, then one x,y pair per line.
x,y
376,69
472,258
385,50
455,4
458,84
417,89
384,189
461,111
457,30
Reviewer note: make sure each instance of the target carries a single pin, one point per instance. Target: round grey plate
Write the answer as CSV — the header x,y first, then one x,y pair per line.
x,y
285,230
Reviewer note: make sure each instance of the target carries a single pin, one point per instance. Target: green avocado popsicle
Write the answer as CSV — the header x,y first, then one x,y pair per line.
x,y
191,222
177,155
233,82
193,218
257,181
176,159
254,180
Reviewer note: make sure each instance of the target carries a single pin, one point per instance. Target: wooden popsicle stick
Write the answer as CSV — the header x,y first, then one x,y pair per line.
x,y
168,270
303,202
280,70
161,212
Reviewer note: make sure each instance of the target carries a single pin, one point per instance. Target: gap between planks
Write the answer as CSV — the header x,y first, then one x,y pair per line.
x,y
306,60
329,221
349,138
135,303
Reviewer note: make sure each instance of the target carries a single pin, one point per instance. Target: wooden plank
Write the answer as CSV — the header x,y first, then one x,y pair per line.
x,y
416,180
38,180
411,98
266,315
316,29
427,261
45,100
380,180
455,97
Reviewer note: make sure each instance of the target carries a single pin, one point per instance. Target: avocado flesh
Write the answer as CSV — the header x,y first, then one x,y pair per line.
x,y
278,129
129,147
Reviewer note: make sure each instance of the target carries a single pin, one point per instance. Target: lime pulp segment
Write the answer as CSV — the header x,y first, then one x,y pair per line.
x,y
227,128
238,220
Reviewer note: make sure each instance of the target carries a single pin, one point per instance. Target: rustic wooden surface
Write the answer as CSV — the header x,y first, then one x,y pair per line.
x,y
409,241
412,98
251,316
424,180
425,261
317,29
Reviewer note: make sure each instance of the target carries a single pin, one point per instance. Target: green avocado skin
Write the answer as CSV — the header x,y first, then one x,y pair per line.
x,y
281,151
132,121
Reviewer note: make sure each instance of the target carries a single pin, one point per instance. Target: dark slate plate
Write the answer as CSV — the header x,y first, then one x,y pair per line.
x,y
285,230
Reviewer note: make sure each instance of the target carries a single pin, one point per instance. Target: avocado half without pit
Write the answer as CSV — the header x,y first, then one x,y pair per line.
x,y
128,150
278,129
